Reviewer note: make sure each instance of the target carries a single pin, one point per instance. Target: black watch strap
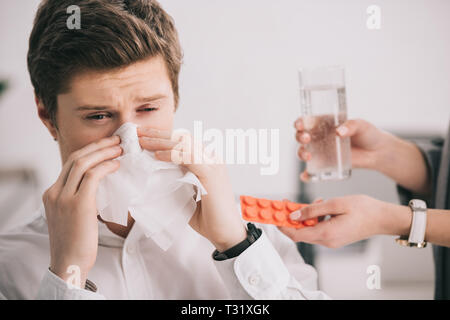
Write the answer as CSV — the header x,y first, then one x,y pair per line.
x,y
253,234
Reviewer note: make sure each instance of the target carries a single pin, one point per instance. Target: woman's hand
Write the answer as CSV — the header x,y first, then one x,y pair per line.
x,y
367,143
351,218
372,148
217,218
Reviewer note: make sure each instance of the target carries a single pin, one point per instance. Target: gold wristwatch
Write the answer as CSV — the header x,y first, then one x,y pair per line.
x,y
416,236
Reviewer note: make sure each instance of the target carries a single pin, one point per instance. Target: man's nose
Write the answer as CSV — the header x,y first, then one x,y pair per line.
x,y
129,117
121,119
126,117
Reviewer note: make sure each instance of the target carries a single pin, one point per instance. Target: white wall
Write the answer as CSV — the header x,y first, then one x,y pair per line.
x,y
240,72
241,59
24,141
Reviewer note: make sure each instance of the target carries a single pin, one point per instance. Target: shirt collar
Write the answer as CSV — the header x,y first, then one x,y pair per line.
x,y
107,238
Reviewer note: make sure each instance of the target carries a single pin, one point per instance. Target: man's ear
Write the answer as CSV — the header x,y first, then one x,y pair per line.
x,y
45,117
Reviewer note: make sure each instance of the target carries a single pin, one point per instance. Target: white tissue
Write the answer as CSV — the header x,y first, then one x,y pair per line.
x,y
160,196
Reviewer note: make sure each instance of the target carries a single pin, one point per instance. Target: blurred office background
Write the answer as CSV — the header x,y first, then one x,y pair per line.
x,y
240,71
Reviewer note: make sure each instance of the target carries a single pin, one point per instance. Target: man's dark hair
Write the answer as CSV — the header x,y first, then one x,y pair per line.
x,y
113,34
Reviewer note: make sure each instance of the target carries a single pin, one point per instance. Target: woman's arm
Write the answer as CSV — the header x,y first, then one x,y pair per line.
x,y
403,162
398,222
358,217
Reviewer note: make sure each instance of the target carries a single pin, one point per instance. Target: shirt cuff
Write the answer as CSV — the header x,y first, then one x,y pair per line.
x,y
257,273
54,288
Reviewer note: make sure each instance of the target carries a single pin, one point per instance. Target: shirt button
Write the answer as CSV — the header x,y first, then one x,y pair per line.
x,y
254,279
130,249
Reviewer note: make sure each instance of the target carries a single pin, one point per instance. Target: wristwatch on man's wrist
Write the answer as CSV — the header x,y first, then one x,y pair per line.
x,y
418,226
253,233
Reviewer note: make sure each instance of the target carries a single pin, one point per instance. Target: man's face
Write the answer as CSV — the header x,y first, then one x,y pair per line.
x,y
98,103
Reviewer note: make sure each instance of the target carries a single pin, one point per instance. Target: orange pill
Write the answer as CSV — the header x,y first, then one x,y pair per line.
x,y
265,214
299,225
292,206
271,212
251,212
277,205
310,222
280,216
249,200
263,203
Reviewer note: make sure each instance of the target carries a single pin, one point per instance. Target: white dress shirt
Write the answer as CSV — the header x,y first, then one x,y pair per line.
x,y
136,268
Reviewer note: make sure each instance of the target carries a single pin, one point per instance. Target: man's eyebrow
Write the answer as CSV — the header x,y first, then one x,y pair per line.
x,y
139,100
88,107
150,98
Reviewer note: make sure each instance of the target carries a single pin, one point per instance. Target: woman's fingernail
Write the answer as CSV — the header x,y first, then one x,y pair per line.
x,y
304,137
342,130
295,215
306,156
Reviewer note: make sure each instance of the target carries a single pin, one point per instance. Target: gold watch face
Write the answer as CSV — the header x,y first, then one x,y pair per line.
x,y
404,242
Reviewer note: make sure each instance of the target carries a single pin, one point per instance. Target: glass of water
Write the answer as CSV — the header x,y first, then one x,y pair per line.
x,y
323,109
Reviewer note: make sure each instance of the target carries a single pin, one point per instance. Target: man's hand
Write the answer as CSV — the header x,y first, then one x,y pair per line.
x,y
70,207
351,218
217,218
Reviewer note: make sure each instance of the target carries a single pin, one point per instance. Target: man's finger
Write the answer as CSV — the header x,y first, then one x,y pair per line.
x,y
92,177
100,144
153,133
175,156
83,164
153,144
